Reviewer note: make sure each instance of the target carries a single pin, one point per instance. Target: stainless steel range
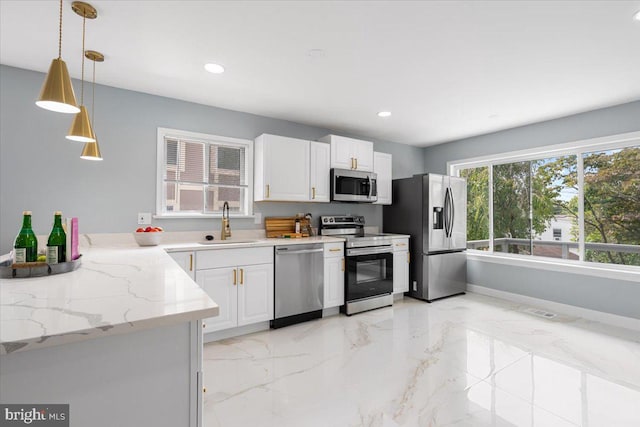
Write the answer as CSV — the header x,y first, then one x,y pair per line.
x,y
368,278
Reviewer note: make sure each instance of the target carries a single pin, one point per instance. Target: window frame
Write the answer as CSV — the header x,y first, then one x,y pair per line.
x,y
206,139
575,148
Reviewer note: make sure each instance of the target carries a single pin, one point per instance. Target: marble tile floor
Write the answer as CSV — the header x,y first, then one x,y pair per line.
x,y
465,361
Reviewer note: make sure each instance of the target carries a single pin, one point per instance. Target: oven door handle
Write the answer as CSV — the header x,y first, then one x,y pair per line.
x,y
369,251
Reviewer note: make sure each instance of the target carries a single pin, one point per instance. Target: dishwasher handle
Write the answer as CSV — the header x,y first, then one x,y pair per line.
x,y
282,251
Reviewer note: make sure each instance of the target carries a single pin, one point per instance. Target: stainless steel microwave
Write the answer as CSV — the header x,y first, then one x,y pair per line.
x,y
353,186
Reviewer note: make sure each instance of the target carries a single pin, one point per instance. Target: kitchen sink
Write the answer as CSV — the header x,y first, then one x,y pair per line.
x,y
227,242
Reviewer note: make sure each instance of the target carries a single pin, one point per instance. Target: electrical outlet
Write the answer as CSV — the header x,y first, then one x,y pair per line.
x,y
144,218
257,218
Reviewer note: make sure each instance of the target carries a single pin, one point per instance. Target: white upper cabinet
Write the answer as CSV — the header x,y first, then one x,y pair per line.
x,y
319,172
290,169
382,167
349,153
282,169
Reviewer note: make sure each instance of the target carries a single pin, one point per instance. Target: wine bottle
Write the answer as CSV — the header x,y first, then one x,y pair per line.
x,y
57,243
26,244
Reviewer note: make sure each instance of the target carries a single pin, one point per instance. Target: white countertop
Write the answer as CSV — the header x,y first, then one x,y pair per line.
x,y
119,288
247,243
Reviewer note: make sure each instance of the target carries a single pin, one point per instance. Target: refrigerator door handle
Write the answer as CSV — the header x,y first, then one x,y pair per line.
x,y
453,212
446,213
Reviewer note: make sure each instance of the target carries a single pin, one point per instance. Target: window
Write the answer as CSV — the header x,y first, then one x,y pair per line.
x,y
197,173
477,207
578,201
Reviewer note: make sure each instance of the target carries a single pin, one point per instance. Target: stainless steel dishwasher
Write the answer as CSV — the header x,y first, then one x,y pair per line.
x,y
299,283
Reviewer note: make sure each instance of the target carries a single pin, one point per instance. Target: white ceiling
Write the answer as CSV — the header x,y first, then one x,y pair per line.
x,y
445,69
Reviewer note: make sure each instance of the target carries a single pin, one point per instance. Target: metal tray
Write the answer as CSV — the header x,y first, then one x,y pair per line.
x,y
9,271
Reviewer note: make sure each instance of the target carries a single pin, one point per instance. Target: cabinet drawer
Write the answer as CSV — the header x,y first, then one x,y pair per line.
x,y
400,245
218,258
333,249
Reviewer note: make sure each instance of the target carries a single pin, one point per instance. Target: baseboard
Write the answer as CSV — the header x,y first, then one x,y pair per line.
x,y
235,332
332,311
571,310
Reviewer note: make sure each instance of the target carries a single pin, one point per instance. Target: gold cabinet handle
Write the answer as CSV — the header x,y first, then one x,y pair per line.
x,y
408,257
342,264
352,163
204,389
356,164
235,277
190,262
242,276
268,192
401,244
313,193
335,250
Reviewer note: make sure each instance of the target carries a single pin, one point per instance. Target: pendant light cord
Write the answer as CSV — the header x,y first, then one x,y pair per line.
x,y
84,23
93,95
60,34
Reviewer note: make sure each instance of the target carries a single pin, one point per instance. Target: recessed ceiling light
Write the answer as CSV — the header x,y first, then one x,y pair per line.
x,y
214,68
384,113
637,16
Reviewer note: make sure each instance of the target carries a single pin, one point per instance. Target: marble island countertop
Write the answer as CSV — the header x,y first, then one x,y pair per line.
x,y
117,289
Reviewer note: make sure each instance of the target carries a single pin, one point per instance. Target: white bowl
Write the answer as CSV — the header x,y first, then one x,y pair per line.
x,y
151,238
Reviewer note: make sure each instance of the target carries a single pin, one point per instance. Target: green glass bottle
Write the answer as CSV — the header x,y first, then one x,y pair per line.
x,y
57,243
26,243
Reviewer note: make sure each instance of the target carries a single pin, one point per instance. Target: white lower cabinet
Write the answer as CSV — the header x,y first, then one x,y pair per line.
x,y
218,284
186,260
401,260
333,274
243,290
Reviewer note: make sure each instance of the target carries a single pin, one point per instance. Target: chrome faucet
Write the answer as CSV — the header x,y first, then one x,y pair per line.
x,y
225,231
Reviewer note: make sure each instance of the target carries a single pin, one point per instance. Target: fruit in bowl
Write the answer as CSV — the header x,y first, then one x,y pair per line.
x,y
149,236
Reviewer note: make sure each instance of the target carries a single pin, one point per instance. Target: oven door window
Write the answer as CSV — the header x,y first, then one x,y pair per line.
x,y
348,185
368,276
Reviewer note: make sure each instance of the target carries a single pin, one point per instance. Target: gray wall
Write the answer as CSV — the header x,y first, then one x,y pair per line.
x,y
41,171
612,296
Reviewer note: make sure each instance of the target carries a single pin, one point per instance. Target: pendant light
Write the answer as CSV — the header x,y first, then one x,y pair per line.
x,y
57,91
91,150
81,129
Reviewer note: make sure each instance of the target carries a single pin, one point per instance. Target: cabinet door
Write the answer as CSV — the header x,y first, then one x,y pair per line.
x,y
363,153
218,283
255,293
333,282
186,260
382,167
286,168
341,153
400,272
319,172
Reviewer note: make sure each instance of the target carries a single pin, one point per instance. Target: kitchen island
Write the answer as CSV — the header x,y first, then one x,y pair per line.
x,y
119,339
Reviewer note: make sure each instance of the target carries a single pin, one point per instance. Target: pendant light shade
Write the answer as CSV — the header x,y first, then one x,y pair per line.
x,y
81,129
91,151
57,91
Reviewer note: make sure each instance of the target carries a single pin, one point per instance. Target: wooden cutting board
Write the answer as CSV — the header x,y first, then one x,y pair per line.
x,y
284,227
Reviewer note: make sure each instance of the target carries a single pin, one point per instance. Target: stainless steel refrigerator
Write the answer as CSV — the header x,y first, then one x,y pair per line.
x,y
432,209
